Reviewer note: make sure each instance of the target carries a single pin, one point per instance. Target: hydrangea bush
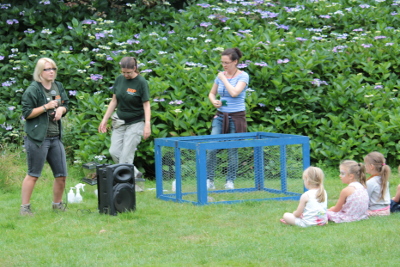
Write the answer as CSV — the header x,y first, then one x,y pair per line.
x,y
325,69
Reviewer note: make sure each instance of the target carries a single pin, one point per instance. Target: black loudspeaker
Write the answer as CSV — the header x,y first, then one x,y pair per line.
x,y
116,188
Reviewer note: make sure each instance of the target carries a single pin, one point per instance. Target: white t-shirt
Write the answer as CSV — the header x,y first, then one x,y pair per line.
x,y
374,193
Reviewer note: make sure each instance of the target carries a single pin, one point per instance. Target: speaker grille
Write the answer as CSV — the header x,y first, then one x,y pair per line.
x,y
124,197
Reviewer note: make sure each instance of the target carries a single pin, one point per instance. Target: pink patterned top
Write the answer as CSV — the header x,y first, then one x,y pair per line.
x,y
355,208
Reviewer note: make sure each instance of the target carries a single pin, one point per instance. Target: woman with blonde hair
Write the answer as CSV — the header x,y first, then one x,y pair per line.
x,y
44,102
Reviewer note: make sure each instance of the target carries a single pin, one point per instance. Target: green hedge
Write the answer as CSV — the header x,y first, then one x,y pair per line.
x,y
328,70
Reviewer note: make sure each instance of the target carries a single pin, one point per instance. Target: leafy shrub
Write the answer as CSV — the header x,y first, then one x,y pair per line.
x,y
328,70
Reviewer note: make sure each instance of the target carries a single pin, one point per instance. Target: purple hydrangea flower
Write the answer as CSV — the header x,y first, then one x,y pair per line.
x,y
262,64
204,5
131,41
96,77
245,31
205,24
339,48
100,35
147,70
318,82
176,102
366,45
267,14
89,21
6,84
5,6
12,21
283,27
281,61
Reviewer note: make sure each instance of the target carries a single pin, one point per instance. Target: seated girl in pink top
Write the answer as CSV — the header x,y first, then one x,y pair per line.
x,y
352,204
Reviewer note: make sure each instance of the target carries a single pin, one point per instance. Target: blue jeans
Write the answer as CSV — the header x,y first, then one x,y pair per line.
x,y
232,152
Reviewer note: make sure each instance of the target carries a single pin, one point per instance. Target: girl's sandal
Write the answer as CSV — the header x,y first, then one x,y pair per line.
x,y
283,221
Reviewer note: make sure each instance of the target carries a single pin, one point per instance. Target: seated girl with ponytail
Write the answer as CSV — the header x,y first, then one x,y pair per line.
x,y
378,184
313,203
352,204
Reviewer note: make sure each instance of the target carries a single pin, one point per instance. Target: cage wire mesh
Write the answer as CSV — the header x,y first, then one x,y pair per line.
x,y
246,178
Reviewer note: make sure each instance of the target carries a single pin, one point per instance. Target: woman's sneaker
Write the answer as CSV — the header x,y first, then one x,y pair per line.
x,y
210,184
26,210
229,185
59,207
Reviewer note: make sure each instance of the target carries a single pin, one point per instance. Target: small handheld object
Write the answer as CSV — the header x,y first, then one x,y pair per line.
x,y
52,112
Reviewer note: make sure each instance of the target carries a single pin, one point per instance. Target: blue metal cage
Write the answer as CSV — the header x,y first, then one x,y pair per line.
x,y
270,167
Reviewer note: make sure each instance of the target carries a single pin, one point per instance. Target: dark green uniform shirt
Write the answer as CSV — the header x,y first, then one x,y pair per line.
x,y
51,94
33,97
131,93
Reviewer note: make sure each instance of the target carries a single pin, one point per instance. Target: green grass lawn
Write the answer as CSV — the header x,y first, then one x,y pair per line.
x,y
162,233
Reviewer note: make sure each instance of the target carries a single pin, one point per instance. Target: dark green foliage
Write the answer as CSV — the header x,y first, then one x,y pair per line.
x,y
321,69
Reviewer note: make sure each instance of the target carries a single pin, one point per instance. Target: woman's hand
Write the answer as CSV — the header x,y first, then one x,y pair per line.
x,y
217,103
146,131
51,105
58,114
110,109
103,127
221,76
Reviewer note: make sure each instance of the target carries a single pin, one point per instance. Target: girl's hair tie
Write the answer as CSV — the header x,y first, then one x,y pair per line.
x,y
383,164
